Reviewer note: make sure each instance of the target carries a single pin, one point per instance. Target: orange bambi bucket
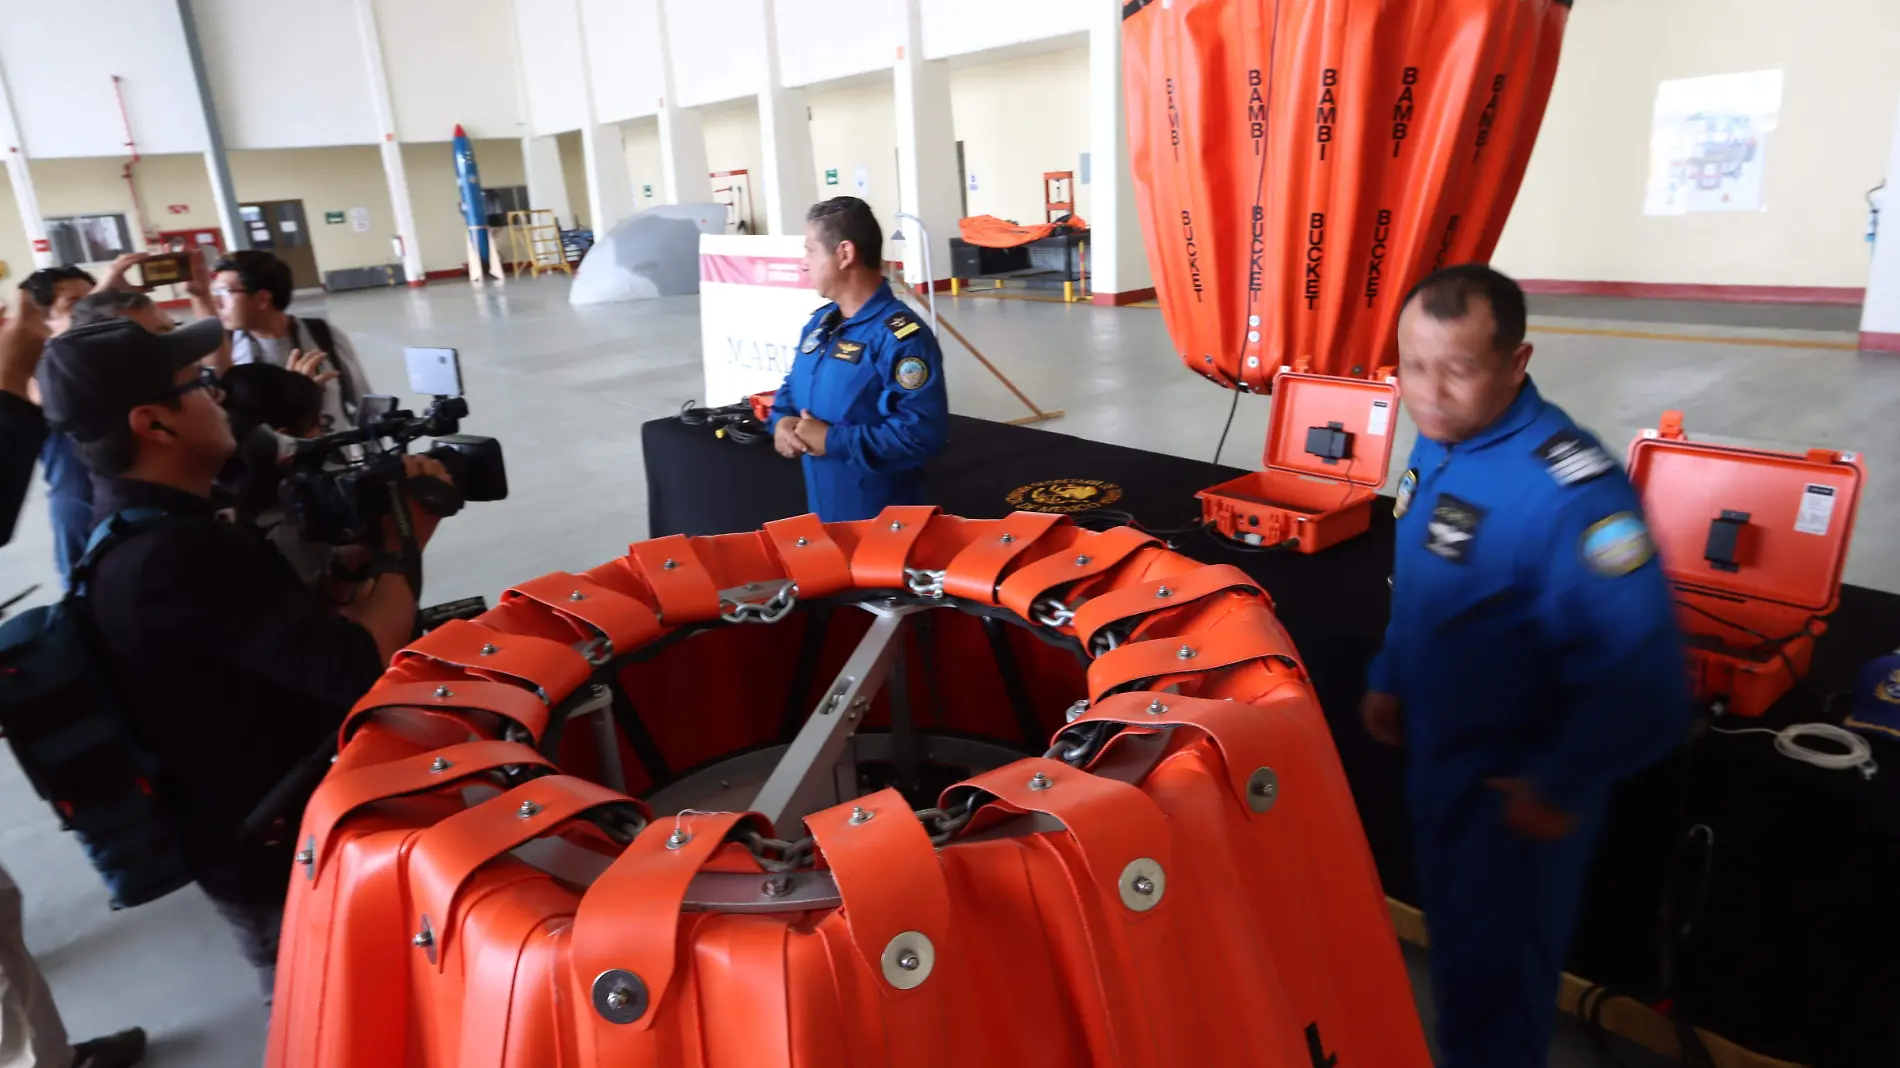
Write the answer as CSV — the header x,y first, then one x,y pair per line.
x,y
1300,164
790,798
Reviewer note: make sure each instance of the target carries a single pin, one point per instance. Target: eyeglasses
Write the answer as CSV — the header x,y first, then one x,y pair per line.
x,y
207,380
220,292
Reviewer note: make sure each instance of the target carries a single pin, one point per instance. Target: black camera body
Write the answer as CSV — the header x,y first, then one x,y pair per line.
x,y
341,486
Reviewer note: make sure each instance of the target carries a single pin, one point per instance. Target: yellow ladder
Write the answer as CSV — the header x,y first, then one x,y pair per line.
x,y
535,238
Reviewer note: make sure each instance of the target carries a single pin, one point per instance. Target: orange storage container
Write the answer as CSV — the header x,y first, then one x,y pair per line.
x,y
1755,542
1329,446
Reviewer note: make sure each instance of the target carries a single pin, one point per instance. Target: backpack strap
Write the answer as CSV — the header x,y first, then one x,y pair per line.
x,y
112,532
324,339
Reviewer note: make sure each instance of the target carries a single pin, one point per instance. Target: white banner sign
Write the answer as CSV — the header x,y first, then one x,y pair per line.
x,y
754,300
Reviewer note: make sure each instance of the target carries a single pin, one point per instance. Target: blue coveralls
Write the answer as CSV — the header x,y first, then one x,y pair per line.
x,y
877,378
1533,636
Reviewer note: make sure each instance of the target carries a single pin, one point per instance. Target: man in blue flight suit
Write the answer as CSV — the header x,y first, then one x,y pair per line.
x,y
1533,659
865,405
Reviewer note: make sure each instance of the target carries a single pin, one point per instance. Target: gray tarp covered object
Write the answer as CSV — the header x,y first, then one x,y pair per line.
x,y
652,254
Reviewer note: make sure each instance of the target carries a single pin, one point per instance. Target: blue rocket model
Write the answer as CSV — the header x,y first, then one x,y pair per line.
x,y
470,181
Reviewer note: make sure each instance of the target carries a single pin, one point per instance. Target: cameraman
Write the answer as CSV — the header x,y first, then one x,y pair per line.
x,y
238,671
252,290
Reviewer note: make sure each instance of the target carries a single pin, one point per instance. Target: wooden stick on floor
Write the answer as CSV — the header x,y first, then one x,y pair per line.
x,y
1040,416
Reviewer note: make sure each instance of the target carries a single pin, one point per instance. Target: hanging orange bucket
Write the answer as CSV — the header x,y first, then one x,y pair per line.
x,y
789,798
1300,164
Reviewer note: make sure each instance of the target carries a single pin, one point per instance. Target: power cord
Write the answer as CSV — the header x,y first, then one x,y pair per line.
x,y
1791,743
734,422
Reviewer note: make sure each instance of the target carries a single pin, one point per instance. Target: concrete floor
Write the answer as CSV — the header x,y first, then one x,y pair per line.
x,y
566,390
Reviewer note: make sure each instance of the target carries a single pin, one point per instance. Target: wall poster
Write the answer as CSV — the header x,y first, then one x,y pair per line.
x,y
1708,142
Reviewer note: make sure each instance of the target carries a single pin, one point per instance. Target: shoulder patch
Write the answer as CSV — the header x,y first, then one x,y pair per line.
x,y
913,373
1616,546
1573,460
902,325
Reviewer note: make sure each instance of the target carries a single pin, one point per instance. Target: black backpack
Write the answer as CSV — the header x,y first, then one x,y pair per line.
x,y
71,736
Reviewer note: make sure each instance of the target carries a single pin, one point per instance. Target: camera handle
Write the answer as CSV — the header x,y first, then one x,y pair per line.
x,y
409,550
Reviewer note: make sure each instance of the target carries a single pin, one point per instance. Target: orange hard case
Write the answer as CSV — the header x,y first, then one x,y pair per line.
x,y
1755,542
1305,500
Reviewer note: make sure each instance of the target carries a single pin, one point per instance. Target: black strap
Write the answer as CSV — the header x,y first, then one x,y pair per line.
x,y
323,340
117,529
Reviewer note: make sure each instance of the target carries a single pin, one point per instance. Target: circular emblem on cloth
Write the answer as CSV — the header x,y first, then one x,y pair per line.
x,y
1617,546
1064,495
811,342
1408,486
912,372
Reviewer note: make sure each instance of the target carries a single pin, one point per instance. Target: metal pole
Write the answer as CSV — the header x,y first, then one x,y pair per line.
x,y
930,284
217,164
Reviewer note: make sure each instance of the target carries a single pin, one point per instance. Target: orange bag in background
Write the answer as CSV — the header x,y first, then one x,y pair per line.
x,y
992,232
1300,164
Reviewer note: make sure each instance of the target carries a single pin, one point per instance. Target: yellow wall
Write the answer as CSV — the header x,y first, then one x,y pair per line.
x,y
1580,215
574,173
326,180
732,144
857,125
642,140
1017,119
96,185
437,199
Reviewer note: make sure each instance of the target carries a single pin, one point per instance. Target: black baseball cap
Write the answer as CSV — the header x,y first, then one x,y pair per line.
x,y
91,377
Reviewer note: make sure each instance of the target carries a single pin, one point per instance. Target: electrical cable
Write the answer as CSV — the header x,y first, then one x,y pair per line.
x,y
1790,742
1778,646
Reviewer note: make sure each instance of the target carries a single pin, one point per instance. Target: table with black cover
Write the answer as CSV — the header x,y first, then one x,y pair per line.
x,y
1790,952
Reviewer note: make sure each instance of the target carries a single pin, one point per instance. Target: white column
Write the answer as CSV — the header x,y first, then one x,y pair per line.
x,y
926,151
547,178
1118,258
609,190
790,179
685,175
22,179
393,170
1880,314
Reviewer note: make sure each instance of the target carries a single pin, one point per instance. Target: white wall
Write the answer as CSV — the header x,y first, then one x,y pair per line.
x,y
551,61
718,49
645,169
449,62
623,50
1017,119
732,144
855,125
285,75
824,40
59,61
955,27
1580,215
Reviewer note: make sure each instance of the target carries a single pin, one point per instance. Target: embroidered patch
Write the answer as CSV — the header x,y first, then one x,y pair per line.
x,y
902,325
912,372
1617,546
1573,460
848,351
811,340
1408,487
1453,525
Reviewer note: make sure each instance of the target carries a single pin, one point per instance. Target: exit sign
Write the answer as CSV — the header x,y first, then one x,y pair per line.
x,y
831,177
333,218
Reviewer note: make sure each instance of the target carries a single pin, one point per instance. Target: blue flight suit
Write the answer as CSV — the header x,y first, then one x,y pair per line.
x,y
1533,636
877,378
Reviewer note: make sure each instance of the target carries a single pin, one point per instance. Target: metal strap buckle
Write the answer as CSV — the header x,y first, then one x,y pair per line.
x,y
924,582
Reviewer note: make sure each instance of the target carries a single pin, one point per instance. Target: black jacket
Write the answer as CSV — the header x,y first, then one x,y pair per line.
x,y
22,432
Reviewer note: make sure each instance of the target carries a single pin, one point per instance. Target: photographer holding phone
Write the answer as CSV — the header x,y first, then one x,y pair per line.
x,y
252,290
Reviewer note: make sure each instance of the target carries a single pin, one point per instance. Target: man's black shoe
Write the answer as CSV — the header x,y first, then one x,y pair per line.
x,y
122,1050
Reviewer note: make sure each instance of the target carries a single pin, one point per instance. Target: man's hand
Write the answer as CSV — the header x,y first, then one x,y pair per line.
x,y
812,431
198,285
425,521
1381,714
23,337
311,367
785,439
1529,815
115,274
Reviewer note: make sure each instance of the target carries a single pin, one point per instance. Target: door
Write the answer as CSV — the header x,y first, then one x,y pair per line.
x,y
278,226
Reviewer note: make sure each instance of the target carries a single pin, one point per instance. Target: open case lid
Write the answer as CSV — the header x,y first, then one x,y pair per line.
x,y
1333,428
1765,526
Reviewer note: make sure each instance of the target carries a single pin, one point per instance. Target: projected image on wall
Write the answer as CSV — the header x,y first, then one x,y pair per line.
x,y
1708,142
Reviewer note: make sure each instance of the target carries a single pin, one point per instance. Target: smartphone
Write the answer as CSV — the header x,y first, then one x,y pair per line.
x,y
170,269
434,372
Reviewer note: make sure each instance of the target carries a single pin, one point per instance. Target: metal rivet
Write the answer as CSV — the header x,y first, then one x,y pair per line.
x,y
440,765
777,886
751,587
1164,593
1008,538
1143,884
1253,320
444,692
1187,653
908,960
802,542
1155,707
896,526
306,856
860,814
1263,789
677,839
619,996
489,650
425,937
1039,781
577,596
528,810
670,565
1082,561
